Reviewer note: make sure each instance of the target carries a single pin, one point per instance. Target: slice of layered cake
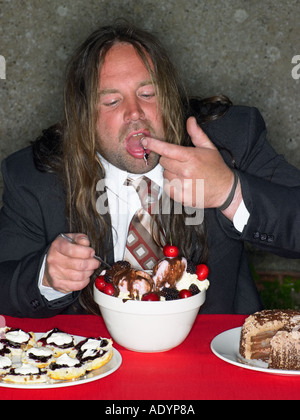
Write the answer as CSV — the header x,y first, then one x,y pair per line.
x,y
272,336
285,346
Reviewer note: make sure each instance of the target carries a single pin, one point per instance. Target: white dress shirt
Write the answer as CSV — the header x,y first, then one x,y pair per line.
x,y
123,203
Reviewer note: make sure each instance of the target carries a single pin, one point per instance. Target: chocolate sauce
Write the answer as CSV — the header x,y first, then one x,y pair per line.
x,y
146,157
172,274
130,276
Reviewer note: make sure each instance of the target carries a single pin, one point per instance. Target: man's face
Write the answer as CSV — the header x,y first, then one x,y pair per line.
x,y
127,110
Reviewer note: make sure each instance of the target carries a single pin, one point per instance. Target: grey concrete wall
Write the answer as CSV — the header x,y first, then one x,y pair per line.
x,y
241,48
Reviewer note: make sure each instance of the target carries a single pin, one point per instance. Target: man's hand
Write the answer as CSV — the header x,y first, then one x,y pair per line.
x,y
191,163
69,266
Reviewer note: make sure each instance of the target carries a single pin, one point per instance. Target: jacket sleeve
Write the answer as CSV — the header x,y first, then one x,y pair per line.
x,y
270,185
23,244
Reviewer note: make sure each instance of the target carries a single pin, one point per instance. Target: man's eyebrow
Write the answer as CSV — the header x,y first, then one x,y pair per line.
x,y
107,91
147,82
110,91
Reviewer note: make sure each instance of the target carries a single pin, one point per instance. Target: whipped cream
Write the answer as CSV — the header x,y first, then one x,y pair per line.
x,y
5,362
59,339
65,360
26,369
90,353
124,295
188,279
18,336
40,352
91,344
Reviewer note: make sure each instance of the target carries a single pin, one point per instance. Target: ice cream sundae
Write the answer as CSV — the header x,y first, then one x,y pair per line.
x,y
173,277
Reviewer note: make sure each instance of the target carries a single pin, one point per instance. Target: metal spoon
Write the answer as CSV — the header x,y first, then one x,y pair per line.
x,y
105,264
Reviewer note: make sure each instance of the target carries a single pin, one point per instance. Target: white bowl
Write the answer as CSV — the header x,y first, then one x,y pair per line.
x,y
149,326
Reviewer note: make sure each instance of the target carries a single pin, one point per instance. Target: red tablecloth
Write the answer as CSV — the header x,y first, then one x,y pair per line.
x,y
188,372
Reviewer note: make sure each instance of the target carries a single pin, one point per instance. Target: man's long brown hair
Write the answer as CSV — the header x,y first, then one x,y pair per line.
x,y
75,155
82,169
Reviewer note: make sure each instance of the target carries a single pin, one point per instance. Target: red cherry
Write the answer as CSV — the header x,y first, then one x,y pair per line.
x,y
202,271
184,293
109,289
100,283
150,297
170,251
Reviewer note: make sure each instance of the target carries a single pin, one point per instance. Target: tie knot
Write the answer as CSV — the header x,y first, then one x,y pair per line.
x,y
147,190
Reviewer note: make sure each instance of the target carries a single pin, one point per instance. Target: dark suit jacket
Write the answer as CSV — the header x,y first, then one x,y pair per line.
x,y
33,215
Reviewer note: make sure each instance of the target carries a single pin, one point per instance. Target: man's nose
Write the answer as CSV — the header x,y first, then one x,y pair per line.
x,y
133,111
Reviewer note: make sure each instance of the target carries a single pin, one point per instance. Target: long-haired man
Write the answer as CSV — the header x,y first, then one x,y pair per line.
x,y
126,112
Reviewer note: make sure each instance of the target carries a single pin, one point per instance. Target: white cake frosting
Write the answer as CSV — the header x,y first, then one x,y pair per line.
x,y
2,346
66,360
17,336
5,362
40,352
91,344
59,339
26,369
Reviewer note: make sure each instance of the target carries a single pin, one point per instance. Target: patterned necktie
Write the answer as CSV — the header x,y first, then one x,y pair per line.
x,y
141,250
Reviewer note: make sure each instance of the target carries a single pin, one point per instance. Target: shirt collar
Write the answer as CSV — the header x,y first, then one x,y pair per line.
x,y
115,177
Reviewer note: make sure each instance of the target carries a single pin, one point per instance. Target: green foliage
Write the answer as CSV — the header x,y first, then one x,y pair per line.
x,y
279,293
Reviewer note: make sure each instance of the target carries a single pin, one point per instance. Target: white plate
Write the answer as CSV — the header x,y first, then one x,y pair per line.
x,y
114,364
226,347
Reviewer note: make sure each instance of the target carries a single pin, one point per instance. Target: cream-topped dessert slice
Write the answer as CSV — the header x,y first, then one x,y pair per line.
x,y
58,341
66,368
26,374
